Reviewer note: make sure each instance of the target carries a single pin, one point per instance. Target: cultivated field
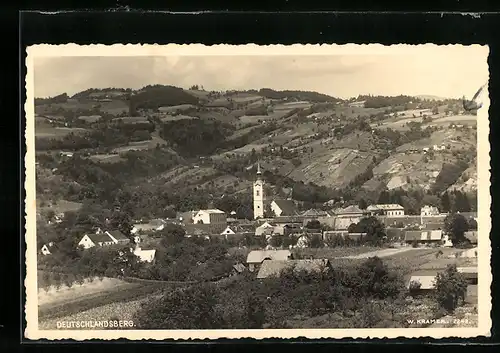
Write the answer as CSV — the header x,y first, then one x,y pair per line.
x,y
57,132
456,119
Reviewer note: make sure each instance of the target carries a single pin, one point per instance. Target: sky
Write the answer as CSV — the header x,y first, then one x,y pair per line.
x,y
448,72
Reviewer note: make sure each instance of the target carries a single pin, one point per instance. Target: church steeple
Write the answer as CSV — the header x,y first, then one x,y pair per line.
x,y
258,195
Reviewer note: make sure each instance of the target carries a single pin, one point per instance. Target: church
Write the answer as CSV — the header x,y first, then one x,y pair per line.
x,y
278,207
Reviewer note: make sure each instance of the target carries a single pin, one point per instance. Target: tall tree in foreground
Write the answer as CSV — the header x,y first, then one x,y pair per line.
x,y
451,288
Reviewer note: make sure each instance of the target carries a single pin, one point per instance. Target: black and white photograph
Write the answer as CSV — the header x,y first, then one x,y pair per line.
x,y
232,191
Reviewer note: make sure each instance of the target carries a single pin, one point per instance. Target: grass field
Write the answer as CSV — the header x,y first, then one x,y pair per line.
x,y
106,158
169,118
175,108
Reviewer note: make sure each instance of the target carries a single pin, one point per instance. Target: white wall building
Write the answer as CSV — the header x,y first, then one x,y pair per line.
x,y
391,210
429,211
258,195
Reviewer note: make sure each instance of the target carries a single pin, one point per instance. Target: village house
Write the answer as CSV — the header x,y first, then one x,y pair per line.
x,y
390,210
347,216
200,230
214,217
427,210
424,236
256,257
228,231
48,248
265,229
284,208
145,254
274,268
101,238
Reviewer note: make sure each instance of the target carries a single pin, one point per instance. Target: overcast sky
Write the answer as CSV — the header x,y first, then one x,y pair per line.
x,y
447,72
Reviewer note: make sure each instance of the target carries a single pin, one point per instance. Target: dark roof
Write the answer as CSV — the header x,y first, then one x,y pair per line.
x,y
412,235
287,207
433,226
197,229
100,238
118,235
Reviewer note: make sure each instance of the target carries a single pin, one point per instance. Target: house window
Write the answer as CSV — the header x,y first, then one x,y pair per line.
x,y
258,206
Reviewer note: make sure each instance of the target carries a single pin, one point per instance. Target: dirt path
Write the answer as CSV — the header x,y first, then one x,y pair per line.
x,y
378,253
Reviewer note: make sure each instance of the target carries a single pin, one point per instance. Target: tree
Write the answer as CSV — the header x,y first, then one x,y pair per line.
x,y
456,225
314,224
451,288
472,224
445,202
276,241
362,204
193,308
353,227
374,229
256,314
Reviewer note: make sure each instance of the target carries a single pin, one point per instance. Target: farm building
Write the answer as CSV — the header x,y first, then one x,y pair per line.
x,y
390,210
429,211
424,236
256,257
273,268
346,216
284,208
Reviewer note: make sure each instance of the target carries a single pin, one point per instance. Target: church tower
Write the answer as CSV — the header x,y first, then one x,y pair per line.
x,y
258,195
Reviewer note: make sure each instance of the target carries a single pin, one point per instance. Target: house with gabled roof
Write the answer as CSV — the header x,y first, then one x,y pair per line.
x,y
101,238
390,210
48,248
256,257
347,216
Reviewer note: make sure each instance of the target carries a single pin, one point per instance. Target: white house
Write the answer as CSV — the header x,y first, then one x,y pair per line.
x,y
346,216
429,211
264,228
103,239
90,240
390,210
45,250
210,216
145,255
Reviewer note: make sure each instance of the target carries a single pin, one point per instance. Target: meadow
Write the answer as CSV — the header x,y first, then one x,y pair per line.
x,y
57,132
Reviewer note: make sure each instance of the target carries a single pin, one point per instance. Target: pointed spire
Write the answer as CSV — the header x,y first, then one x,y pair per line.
x,y
258,169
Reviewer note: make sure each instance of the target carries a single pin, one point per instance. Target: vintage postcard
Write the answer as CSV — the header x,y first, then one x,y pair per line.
x,y
320,191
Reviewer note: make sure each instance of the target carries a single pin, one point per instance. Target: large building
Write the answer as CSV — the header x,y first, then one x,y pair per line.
x,y
390,210
214,217
258,195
